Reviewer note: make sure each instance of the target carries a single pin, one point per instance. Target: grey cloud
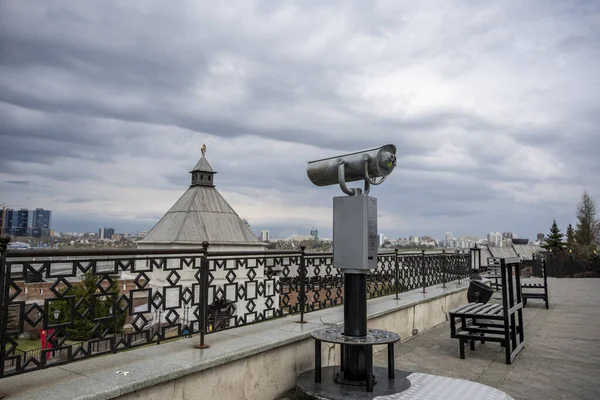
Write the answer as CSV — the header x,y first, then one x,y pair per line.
x,y
24,183
447,213
79,200
105,83
275,86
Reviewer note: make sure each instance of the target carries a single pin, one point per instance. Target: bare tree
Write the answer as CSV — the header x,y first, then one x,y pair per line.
x,y
587,231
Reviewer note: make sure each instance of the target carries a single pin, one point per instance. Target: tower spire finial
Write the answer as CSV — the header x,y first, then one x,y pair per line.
x,y
203,150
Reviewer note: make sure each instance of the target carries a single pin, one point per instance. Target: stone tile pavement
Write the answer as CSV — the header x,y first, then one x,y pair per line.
x,y
561,359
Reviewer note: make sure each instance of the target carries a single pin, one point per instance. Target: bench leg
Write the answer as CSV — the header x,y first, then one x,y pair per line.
x,y
482,338
472,345
546,301
461,349
524,302
507,351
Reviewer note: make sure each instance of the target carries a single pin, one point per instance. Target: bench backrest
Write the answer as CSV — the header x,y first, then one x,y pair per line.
x,y
544,274
511,280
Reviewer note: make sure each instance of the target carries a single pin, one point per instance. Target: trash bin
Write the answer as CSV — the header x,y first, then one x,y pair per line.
x,y
479,292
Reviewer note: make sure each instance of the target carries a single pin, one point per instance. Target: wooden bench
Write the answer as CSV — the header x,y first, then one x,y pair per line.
x,y
536,290
493,273
502,323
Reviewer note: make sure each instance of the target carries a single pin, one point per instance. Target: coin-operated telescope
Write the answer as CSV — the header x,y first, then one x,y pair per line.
x,y
355,243
364,165
354,216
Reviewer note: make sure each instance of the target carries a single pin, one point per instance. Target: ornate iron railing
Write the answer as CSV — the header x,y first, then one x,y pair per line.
x,y
91,303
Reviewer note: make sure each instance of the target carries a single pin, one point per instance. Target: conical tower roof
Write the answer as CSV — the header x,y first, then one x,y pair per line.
x,y
203,166
200,214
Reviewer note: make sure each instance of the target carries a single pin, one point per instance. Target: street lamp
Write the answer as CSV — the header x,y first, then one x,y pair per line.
x,y
56,314
475,262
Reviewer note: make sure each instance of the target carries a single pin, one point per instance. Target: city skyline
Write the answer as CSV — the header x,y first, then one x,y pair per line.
x,y
272,233
490,110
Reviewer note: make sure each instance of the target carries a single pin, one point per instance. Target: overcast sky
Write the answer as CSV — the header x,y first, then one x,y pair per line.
x,y
494,108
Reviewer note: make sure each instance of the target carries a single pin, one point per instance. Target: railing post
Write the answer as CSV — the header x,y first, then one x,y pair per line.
x,y
459,269
423,270
396,273
204,294
4,240
444,277
302,283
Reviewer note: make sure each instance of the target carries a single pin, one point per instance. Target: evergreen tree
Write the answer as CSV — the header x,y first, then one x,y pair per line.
x,y
11,319
586,234
554,240
90,304
570,237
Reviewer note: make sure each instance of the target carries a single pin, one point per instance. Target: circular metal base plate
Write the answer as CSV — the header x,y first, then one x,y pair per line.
x,y
339,378
328,389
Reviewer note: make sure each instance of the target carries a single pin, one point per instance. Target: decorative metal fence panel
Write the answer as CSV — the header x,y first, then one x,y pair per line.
x,y
410,271
247,289
85,307
382,280
78,305
324,283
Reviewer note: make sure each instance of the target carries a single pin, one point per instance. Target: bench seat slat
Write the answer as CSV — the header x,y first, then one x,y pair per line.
x,y
532,285
469,309
489,310
477,310
464,308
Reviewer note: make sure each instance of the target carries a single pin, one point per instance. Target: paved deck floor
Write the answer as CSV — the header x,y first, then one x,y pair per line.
x,y
561,359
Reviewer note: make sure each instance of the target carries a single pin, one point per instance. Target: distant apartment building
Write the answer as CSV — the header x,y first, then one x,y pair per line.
x,y
264,235
106,233
494,239
540,237
404,242
428,241
315,234
26,222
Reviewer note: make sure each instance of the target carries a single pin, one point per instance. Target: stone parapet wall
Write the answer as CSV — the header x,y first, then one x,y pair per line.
x,y
258,361
272,373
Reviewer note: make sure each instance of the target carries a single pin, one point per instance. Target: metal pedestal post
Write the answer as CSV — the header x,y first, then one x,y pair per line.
x,y
355,324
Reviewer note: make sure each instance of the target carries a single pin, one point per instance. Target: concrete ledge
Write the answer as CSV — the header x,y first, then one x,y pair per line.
x,y
253,362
